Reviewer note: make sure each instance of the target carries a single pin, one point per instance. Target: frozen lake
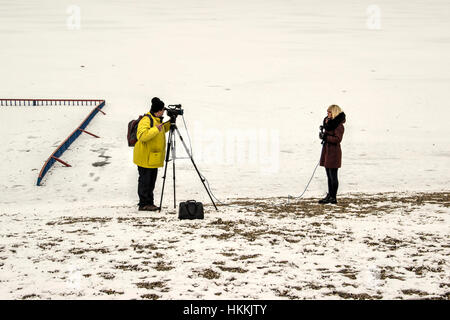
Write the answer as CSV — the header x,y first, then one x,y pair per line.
x,y
260,71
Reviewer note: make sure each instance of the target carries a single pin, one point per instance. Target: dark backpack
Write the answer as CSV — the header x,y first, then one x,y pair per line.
x,y
132,129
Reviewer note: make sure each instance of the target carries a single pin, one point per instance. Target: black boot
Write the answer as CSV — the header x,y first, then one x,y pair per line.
x,y
332,200
325,200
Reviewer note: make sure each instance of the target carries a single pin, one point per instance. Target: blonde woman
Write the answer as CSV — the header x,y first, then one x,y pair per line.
x,y
331,135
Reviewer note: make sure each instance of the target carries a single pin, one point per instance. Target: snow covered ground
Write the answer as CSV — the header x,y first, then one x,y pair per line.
x,y
377,247
263,72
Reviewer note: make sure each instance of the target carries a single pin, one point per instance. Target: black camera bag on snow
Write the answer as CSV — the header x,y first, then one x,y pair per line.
x,y
190,210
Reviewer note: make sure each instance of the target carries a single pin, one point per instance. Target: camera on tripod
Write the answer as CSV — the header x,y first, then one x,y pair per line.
x,y
173,111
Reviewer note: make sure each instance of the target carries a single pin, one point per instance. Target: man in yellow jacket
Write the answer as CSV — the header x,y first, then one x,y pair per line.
x,y
149,152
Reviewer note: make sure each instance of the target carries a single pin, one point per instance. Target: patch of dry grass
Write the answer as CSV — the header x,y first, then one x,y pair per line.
x,y
232,269
151,285
73,220
358,204
209,274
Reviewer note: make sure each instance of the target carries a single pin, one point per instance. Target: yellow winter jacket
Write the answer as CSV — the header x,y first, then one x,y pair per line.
x,y
150,149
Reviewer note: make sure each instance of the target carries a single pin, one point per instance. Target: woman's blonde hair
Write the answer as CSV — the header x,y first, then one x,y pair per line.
x,y
335,110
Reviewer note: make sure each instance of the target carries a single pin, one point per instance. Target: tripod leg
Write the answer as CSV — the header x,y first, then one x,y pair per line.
x,y
173,166
195,166
165,168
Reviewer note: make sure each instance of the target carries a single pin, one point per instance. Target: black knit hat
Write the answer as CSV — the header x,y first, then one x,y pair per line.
x,y
157,105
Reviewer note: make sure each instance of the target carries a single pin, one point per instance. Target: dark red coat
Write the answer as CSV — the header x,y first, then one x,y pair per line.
x,y
331,151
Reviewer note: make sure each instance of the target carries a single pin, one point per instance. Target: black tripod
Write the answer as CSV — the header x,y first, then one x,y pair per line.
x,y
171,147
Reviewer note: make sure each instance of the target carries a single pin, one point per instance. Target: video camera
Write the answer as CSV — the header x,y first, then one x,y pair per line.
x,y
322,134
174,110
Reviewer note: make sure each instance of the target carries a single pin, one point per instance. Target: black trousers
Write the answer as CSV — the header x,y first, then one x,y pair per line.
x,y
146,185
333,183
